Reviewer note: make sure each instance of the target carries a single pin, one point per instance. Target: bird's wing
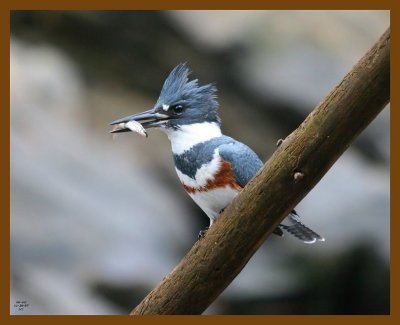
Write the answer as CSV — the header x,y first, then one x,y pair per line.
x,y
245,164
244,161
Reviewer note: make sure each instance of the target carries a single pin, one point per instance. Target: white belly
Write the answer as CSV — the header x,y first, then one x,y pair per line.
x,y
213,201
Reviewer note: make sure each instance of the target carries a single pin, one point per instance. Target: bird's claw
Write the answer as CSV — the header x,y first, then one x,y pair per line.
x,y
202,233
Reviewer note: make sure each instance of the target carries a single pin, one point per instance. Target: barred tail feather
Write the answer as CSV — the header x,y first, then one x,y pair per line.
x,y
293,225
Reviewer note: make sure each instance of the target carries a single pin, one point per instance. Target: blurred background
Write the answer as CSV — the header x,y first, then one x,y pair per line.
x,y
97,221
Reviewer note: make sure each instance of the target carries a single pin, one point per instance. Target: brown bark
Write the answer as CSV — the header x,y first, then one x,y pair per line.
x,y
293,170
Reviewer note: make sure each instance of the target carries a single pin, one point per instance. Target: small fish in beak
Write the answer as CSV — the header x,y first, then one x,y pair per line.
x,y
132,125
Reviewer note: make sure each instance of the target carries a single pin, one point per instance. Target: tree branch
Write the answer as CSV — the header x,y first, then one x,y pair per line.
x,y
308,152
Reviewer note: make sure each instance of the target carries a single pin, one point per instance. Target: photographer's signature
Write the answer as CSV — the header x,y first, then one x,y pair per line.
x,y
20,305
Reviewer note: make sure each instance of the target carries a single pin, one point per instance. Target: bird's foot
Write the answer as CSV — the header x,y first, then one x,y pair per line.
x,y
279,142
202,233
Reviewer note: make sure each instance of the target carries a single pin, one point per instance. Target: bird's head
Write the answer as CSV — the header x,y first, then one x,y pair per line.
x,y
181,103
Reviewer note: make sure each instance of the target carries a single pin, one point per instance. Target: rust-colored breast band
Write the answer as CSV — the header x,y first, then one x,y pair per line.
x,y
222,178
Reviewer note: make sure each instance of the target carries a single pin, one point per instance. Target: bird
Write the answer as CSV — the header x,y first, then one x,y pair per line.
x,y
212,167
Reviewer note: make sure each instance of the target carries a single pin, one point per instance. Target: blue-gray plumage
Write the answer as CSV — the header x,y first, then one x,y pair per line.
x,y
213,168
234,152
244,162
200,101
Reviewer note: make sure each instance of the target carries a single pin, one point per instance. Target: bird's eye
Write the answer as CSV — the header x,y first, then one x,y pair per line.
x,y
177,109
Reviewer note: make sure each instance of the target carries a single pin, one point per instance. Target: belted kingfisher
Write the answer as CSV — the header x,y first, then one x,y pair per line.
x,y
213,168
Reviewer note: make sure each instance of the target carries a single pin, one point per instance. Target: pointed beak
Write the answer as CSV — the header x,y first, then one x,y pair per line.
x,y
150,119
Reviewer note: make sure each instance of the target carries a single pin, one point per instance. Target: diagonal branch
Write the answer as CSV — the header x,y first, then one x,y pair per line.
x,y
309,152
